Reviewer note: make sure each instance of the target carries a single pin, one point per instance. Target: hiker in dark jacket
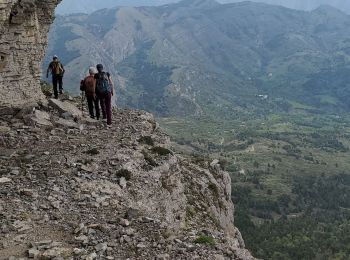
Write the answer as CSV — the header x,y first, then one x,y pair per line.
x,y
89,84
104,91
57,71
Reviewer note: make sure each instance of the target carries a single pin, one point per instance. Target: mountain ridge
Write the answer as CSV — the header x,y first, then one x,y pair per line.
x,y
76,7
224,51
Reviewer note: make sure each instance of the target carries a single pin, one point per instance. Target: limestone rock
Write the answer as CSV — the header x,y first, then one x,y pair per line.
x,y
214,163
40,119
124,222
66,123
23,40
4,129
122,182
33,253
4,180
65,107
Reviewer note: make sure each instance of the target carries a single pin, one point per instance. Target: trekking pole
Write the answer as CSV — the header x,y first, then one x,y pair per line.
x,y
82,103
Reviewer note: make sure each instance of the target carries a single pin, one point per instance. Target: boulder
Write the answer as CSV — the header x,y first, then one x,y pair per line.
x,y
89,121
26,110
5,180
65,107
66,123
214,163
4,129
39,118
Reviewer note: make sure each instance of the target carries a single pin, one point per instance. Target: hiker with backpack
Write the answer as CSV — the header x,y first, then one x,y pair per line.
x,y
57,71
89,86
104,92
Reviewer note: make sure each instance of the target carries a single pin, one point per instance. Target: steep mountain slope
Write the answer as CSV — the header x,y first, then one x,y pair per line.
x,y
198,55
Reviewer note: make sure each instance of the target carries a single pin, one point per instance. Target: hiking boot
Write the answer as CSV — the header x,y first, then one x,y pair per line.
x,y
61,91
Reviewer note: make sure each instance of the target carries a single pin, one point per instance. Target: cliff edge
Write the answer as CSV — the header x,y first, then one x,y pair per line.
x,y
75,189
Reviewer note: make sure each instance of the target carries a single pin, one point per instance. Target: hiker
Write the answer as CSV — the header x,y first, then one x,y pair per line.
x,y
104,91
57,71
89,86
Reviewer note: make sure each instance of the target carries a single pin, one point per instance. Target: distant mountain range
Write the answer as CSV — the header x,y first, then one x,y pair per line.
x,y
88,6
199,56
308,5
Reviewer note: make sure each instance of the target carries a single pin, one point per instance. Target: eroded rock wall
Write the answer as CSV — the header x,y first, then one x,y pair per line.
x,y
24,25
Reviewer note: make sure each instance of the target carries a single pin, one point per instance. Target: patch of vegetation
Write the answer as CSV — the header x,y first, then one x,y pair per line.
x,y
200,160
149,159
93,151
146,140
214,189
190,212
46,88
161,151
224,163
205,240
124,173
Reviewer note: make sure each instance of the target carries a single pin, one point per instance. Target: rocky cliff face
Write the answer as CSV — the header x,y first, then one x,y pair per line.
x,y
82,191
24,25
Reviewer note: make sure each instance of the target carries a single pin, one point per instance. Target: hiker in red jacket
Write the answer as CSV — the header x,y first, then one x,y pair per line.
x,y
89,86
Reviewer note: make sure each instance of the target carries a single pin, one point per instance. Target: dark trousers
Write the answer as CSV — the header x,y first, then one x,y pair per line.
x,y
93,103
57,80
106,106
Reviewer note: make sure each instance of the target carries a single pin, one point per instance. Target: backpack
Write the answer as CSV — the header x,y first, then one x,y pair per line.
x,y
57,68
82,85
89,85
102,83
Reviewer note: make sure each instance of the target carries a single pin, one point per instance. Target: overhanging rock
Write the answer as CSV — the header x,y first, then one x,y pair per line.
x,y
24,25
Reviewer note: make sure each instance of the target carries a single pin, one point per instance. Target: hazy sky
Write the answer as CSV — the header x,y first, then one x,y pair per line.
x,y
343,5
74,6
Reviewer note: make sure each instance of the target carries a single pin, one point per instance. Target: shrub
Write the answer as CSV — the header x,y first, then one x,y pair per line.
x,y
214,189
124,173
161,151
205,240
93,151
149,159
46,88
146,140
